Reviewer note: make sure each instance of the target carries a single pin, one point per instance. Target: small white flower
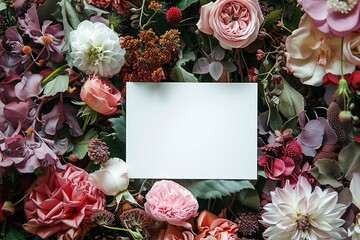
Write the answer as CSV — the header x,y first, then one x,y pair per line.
x,y
299,214
95,49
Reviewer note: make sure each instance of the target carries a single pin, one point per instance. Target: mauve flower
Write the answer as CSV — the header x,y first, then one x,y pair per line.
x,y
214,228
300,213
112,177
338,17
95,49
171,202
235,23
62,202
100,95
310,54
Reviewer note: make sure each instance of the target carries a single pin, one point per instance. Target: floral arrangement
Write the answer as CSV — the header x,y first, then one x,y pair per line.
x,y
64,66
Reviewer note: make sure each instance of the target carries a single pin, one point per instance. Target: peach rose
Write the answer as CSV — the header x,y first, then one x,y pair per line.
x,y
215,228
100,95
235,23
171,202
62,202
172,233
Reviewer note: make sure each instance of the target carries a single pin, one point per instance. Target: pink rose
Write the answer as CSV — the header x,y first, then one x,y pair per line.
x,y
214,228
171,202
101,95
235,23
62,203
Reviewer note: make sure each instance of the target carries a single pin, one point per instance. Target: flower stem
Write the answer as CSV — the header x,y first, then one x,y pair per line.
x,y
136,235
27,193
141,14
33,62
53,74
342,58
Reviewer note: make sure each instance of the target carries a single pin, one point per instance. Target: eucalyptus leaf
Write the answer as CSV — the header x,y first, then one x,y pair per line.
x,y
183,4
119,125
291,102
210,189
272,17
179,74
59,84
349,159
292,123
327,171
275,119
81,147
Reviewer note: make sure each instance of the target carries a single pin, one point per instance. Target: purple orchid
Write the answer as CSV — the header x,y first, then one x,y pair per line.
x,y
213,64
50,36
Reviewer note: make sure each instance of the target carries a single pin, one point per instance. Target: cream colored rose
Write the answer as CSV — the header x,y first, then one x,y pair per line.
x,y
112,177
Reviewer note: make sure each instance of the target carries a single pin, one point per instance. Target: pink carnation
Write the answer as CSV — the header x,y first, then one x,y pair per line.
x,y
171,202
214,228
337,17
62,203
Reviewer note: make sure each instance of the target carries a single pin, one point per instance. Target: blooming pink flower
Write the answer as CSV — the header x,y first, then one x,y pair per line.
x,y
62,203
235,23
171,202
214,228
172,233
310,53
293,150
100,3
100,95
334,16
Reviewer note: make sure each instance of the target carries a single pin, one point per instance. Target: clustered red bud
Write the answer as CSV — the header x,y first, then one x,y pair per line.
x,y
173,15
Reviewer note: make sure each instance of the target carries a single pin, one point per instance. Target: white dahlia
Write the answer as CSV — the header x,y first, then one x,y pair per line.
x,y
95,49
299,214
354,229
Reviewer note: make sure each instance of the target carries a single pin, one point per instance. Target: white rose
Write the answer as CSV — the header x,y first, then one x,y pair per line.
x,y
112,177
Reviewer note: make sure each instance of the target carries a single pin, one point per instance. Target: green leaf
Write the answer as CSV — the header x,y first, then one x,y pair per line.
x,y
291,102
349,160
116,147
275,119
119,125
2,5
59,84
91,10
72,14
13,234
183,4
272,17
209,189
179,74
249,198
81,147
327,171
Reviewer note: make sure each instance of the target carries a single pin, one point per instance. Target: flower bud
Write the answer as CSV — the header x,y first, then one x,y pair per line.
x,y
345,116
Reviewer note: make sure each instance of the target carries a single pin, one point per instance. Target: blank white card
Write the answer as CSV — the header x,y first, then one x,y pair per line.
x,y
191,130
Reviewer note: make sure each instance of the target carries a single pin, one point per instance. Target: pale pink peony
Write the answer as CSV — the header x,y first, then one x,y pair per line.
x,y
101,95
310,53
62,203
337,17
170,202
214,228
235,23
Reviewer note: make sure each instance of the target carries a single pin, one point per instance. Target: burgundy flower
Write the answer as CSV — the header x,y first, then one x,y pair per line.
x,y
293,150
277,168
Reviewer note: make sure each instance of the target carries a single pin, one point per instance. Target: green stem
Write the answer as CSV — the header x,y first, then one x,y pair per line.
x,y
27,193
149,21
342,58
137,235
141,14
53,74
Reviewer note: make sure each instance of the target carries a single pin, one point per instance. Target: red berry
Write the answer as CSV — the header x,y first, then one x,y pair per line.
x,y
173,15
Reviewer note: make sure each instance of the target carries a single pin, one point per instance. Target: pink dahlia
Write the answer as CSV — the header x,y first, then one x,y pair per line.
x,y
171,202
62,202
338,17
